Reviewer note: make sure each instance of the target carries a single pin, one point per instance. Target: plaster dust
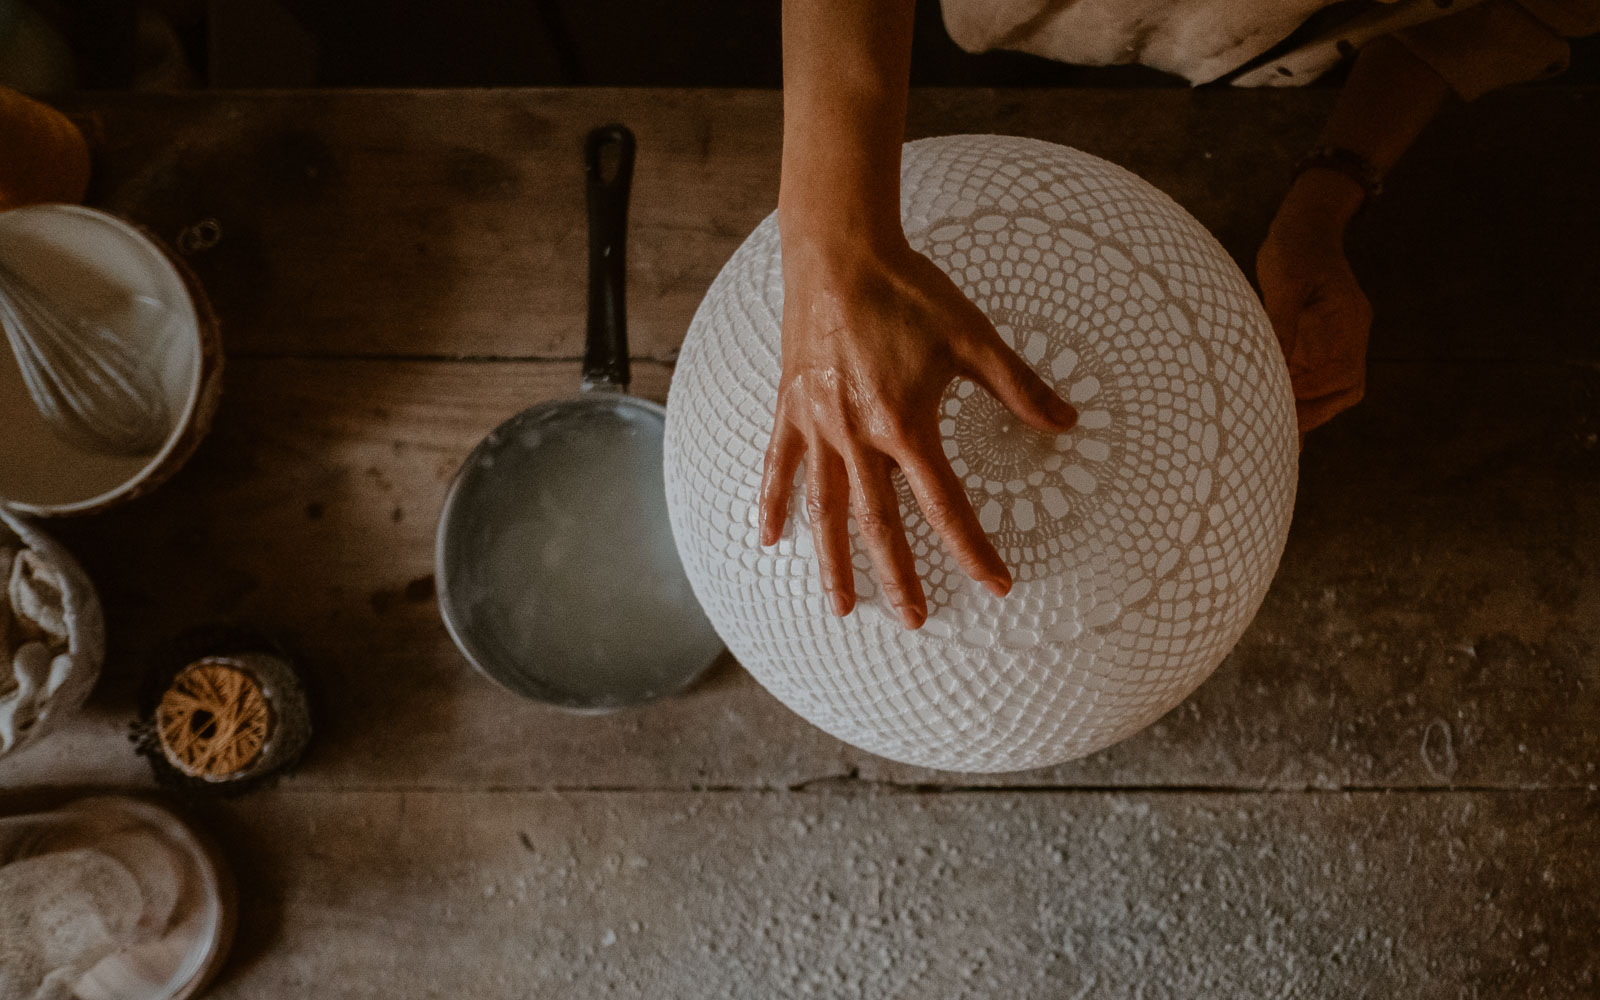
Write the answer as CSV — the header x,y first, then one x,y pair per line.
x,y
60,914
749,896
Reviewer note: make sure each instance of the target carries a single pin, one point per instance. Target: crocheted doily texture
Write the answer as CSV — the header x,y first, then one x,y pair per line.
x,y
1141,543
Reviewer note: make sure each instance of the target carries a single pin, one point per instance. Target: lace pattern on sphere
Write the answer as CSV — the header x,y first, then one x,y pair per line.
x,y
1142,542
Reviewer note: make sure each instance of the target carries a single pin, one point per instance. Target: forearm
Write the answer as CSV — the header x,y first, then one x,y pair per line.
x,y
1390,97
845,69
1318,310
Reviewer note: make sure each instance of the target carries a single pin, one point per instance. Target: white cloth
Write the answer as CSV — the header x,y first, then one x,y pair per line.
x,y
1475,45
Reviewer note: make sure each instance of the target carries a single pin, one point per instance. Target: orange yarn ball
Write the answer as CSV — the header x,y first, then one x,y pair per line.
x,y
43,156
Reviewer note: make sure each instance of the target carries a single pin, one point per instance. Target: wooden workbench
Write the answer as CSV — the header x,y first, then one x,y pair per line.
x,y
1388,790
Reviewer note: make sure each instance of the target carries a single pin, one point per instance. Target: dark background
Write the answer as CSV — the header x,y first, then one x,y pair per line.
x,y
492,43
714,43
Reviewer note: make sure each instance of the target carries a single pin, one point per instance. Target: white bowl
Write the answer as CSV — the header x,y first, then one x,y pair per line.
x,y
83,256
185,891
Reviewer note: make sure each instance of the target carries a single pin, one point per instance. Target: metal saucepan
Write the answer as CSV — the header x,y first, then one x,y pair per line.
x,y
557,573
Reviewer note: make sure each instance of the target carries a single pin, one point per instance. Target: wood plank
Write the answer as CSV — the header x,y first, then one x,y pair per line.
x,y
449,223
1436,621
1162,897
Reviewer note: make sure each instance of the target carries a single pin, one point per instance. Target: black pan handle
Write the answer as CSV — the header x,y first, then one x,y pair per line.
x,y
608,171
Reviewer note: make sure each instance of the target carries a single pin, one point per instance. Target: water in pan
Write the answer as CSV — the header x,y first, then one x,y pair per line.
x,y
563,572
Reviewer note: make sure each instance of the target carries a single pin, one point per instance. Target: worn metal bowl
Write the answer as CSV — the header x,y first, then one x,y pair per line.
x,y
557,573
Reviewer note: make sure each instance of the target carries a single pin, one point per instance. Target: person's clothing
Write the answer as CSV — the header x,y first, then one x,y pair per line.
x,y
1475,45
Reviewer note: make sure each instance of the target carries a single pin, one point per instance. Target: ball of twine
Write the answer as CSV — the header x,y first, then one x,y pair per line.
x,y
222,710
214,719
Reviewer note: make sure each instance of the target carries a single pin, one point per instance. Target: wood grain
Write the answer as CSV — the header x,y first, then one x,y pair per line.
x,y
1435,621
977,895
450,223
1389,789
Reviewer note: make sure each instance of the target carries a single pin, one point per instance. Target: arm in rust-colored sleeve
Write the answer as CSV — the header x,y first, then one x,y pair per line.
x,y
1501,42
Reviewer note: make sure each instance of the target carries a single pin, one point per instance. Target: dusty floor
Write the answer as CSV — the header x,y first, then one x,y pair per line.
x,y
1389,789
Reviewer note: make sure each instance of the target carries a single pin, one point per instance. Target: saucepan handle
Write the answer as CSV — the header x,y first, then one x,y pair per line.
x,y
608,159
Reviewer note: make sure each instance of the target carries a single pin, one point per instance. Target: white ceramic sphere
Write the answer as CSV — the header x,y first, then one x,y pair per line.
x,y
1141,543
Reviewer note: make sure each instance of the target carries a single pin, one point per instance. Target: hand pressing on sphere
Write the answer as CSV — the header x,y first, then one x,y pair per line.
x,y
872,335
1319,312
873,331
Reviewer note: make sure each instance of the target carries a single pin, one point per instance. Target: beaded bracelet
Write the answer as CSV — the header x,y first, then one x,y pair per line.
x,y
1348,162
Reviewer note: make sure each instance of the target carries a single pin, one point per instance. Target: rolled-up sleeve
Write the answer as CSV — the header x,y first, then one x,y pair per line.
x,y
1501,42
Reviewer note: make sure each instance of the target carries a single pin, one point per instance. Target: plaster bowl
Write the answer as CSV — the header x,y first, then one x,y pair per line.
x,y
99,262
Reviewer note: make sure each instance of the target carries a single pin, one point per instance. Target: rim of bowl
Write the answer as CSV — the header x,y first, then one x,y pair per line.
x,y
180,427
201,965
